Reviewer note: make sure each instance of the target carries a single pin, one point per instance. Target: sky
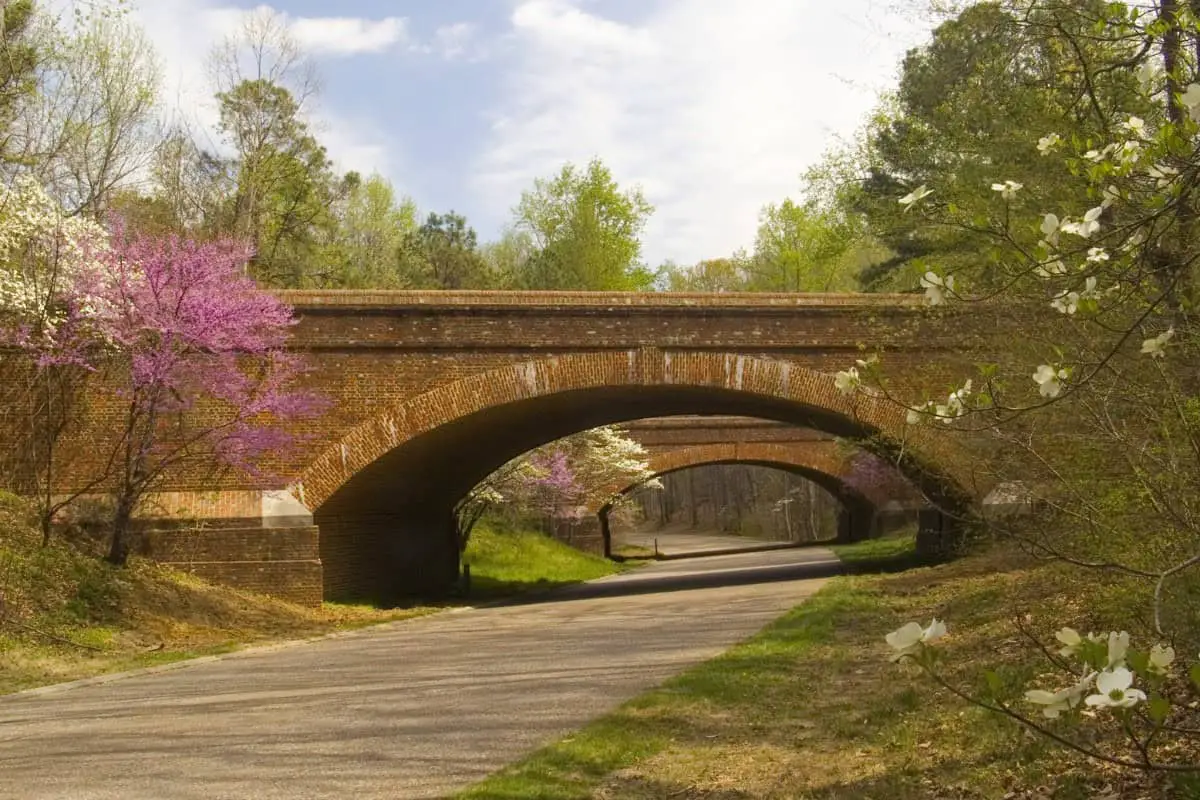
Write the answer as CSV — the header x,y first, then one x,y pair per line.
x,y
713,107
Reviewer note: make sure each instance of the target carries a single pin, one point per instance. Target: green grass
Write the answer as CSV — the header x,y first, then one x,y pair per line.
x,y
886,554
812,709
506,560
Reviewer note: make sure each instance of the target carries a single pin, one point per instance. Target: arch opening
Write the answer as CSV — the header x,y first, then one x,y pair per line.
x,y
858,516
387,527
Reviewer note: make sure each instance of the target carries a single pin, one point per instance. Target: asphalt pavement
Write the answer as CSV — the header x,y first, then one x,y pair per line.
x,y
412,709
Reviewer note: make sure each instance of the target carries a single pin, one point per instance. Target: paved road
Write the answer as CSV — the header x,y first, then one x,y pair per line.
x,y
674,542
409,710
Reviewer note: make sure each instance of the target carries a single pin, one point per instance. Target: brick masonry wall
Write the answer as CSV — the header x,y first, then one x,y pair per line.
x,y
284,562
398,364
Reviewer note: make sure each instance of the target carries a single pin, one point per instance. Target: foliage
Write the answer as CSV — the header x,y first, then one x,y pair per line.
x,y
190,328
1086,267
19,57
285,189
190,350
801,248
585,231
559,480
44,255
443,254
994,79
367,251
710,275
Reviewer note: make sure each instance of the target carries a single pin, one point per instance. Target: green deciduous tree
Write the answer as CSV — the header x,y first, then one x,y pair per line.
x,y
586,230
802,248
711,275
19,58
368,247
285,184
994,79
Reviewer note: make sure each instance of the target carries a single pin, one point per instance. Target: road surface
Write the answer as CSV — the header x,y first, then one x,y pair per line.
x,y
413,709
677,541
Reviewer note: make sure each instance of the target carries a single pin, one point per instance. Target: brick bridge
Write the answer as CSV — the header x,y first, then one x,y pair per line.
x,y
432,391
878,499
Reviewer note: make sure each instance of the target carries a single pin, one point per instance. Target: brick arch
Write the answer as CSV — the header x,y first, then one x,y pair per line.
x,y
825,462
926,456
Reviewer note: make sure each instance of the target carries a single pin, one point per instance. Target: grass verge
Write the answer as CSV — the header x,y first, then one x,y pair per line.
x,y
811,707
505,561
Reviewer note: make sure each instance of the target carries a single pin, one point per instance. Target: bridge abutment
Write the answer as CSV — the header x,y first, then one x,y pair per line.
x,y
385,559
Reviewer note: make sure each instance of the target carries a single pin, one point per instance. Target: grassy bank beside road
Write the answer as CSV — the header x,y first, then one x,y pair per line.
x,y
812,707
507,560
65,614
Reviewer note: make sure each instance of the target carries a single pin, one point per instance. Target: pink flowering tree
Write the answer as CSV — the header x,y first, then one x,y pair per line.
x,y
554,491
558,480
194,353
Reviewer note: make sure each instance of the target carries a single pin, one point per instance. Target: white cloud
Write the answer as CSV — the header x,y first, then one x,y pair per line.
x,y
355,143
714,107
184,33
348,35
456,41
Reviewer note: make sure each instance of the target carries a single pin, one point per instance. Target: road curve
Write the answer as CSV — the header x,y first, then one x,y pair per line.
x,y
414,709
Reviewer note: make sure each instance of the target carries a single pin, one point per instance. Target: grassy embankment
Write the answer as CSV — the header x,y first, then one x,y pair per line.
x,y
811,707
507,560
66,615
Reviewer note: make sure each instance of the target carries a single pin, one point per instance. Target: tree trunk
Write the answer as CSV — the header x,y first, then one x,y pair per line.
x,y
692,510
118,551
813,524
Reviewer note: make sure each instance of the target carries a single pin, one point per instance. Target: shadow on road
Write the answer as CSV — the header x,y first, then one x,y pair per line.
x,y
652,583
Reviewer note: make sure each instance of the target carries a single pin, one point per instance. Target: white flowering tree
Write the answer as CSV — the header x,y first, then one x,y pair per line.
x,y
1089,390
45,331
558,480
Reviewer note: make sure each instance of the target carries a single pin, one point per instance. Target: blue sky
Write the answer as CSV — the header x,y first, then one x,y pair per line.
x,y
714,107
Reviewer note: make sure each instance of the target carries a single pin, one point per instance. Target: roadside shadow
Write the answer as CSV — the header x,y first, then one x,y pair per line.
x,y
656,584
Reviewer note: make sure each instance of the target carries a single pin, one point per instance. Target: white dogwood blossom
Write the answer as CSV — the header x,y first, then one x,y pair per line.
x,y
1071,641
1050,228
42,250
1161,658
1136,126
1114,690
1067,302
915,196
1008,190
1118,649
847,381
911,638
1055,703
936,287
1163,175
1155,346
1049,380
1130,152
955,405
917,413
1049,143
1052,269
